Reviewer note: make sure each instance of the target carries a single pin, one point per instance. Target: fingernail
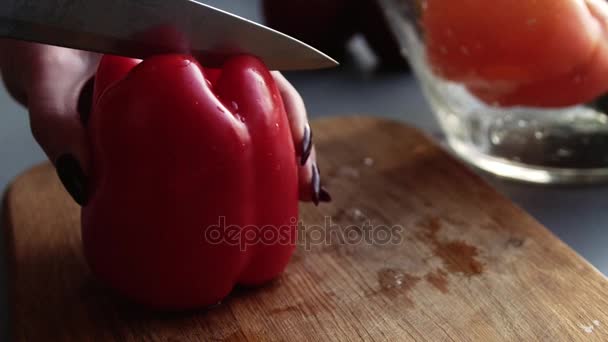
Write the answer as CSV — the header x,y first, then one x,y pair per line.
x,y
72,177
85,101
306,144
316,184
324,195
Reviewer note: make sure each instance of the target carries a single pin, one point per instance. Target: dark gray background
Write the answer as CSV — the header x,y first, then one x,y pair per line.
x,y
576,214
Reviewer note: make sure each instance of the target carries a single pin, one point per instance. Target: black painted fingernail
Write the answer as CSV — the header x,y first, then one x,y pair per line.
x,y
324,195
306,145
72,177
85,101
316,184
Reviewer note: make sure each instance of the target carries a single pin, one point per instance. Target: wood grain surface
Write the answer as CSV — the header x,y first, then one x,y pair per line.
x,y
414,247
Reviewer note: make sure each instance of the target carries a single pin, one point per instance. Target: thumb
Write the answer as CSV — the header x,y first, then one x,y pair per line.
x,y
55,121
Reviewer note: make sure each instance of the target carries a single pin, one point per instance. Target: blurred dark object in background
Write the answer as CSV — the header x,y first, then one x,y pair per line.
x,y
330,24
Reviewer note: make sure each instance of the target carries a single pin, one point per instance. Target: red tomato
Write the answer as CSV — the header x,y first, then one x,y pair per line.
x,y
542,53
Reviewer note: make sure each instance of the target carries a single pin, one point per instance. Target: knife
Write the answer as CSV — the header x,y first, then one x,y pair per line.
x,y
141,28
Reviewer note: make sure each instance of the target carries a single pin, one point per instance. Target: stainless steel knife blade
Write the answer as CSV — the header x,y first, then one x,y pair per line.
x,y
141,28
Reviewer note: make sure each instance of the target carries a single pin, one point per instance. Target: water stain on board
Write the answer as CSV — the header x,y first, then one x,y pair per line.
x,y
438,280
395,283
395,279
457,256
351,216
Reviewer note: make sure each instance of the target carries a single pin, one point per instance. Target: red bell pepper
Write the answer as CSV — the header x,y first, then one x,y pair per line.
x,y
194,181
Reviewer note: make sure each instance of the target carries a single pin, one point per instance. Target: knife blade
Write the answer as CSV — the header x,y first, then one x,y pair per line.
x,y
141,28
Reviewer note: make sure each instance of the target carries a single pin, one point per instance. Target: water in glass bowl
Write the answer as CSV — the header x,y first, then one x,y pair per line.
x,y
561,145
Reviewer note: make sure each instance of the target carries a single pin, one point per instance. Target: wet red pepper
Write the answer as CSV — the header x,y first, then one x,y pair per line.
x,y
194,186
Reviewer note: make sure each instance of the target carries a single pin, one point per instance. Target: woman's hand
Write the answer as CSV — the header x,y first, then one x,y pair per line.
x,y
49,81
310,178
55,84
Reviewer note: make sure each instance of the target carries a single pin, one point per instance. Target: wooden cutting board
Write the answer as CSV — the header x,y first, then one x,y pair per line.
x,y
421,249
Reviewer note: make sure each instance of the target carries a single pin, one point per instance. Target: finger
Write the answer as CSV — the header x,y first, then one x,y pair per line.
x,y
55,97
309,175
296,115
58,130
310,183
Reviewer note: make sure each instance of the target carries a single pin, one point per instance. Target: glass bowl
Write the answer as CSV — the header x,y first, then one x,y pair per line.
x,y
525,103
